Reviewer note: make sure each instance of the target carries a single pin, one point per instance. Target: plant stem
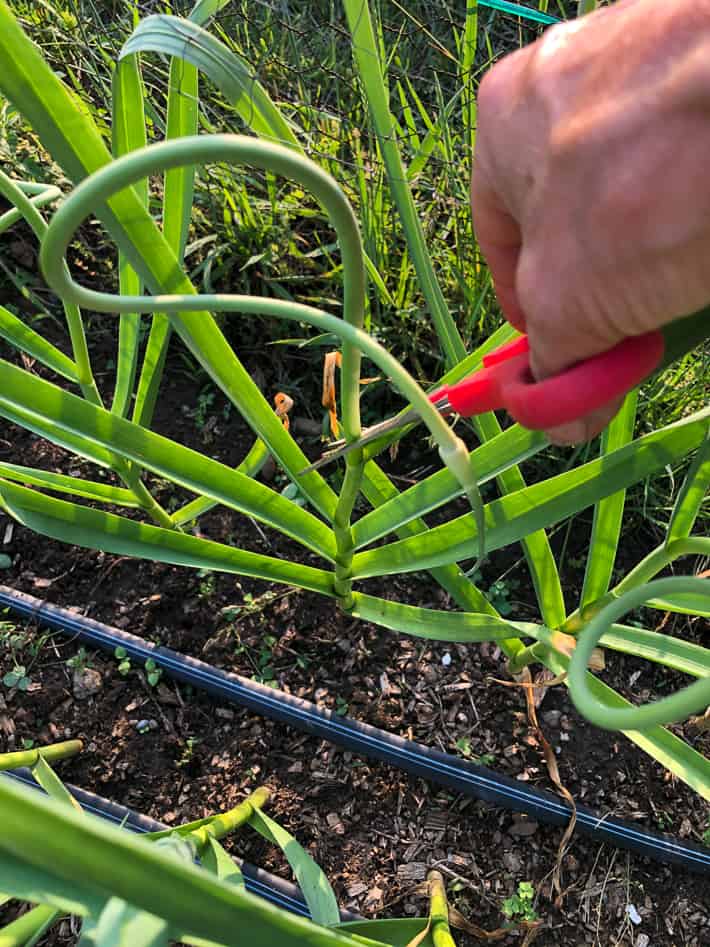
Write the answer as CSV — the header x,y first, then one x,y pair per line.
x,y
103,860
439,911
667,710
366,54
227,822
29,926
343,532
52,753
145,498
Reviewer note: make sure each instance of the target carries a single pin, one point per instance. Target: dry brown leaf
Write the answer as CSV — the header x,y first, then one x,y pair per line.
x,y
700,724
566,644
282,405
457,920
418,938
530,685
332,360
554,773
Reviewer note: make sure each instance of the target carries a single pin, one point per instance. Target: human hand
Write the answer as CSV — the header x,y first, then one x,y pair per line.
x,y
590,187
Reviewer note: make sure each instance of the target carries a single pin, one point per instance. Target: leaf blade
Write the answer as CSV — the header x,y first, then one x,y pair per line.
x,y
27,340
516,515
608,512
69,420
185,39
312,881
97,529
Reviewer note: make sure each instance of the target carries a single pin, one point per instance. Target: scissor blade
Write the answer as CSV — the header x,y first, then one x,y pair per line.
x,y
341,448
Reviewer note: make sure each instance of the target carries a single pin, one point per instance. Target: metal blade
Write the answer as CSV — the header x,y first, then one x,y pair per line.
x,y
341,448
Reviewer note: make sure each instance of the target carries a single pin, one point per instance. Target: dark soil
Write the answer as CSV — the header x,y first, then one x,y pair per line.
x,y
373,829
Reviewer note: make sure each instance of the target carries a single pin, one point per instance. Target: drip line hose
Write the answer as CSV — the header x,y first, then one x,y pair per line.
x,y
278,891
443,769
515,9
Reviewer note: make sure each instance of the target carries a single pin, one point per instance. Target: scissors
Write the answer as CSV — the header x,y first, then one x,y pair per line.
x,y
506,381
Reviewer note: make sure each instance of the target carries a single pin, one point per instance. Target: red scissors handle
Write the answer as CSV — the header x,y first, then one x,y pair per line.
x,y
506,381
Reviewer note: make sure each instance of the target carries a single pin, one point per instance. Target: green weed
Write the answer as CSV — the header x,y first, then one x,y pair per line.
x,y
520,906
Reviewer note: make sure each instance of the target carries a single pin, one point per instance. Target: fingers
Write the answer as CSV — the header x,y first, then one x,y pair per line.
x,y
584,429
499,238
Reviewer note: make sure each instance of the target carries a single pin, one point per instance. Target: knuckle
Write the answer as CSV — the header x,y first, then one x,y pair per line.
x,y
496,90
538,290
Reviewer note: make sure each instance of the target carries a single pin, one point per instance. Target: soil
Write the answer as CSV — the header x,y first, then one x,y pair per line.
x,y
372,828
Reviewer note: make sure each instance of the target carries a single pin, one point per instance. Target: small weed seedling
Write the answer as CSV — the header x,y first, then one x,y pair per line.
x,y
152,672
463,745
519,907
17,677
265,673
208,583
124,662
188,752
79,661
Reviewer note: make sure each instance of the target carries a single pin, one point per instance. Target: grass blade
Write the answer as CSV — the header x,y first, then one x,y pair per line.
x,y
27,930
672,652
75,486
204,10
489,460
81,362
541,562
379,489
69,134
120,924
683,603
178,186
431,623
393,931
79,847
179,182
467,56
216,860
128,134
156,351
52,784
250,467
367,59
691,496
608,513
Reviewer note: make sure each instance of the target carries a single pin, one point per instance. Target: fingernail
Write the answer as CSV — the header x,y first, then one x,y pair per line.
x,y
564,434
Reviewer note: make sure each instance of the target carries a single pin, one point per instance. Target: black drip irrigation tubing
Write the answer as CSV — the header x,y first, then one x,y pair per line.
x,y
443,769
276,890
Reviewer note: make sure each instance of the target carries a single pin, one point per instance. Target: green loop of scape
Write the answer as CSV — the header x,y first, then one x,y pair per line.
x,y
121,173
689,700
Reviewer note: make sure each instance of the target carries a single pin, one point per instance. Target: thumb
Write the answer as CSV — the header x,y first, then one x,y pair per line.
x,y
562,336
